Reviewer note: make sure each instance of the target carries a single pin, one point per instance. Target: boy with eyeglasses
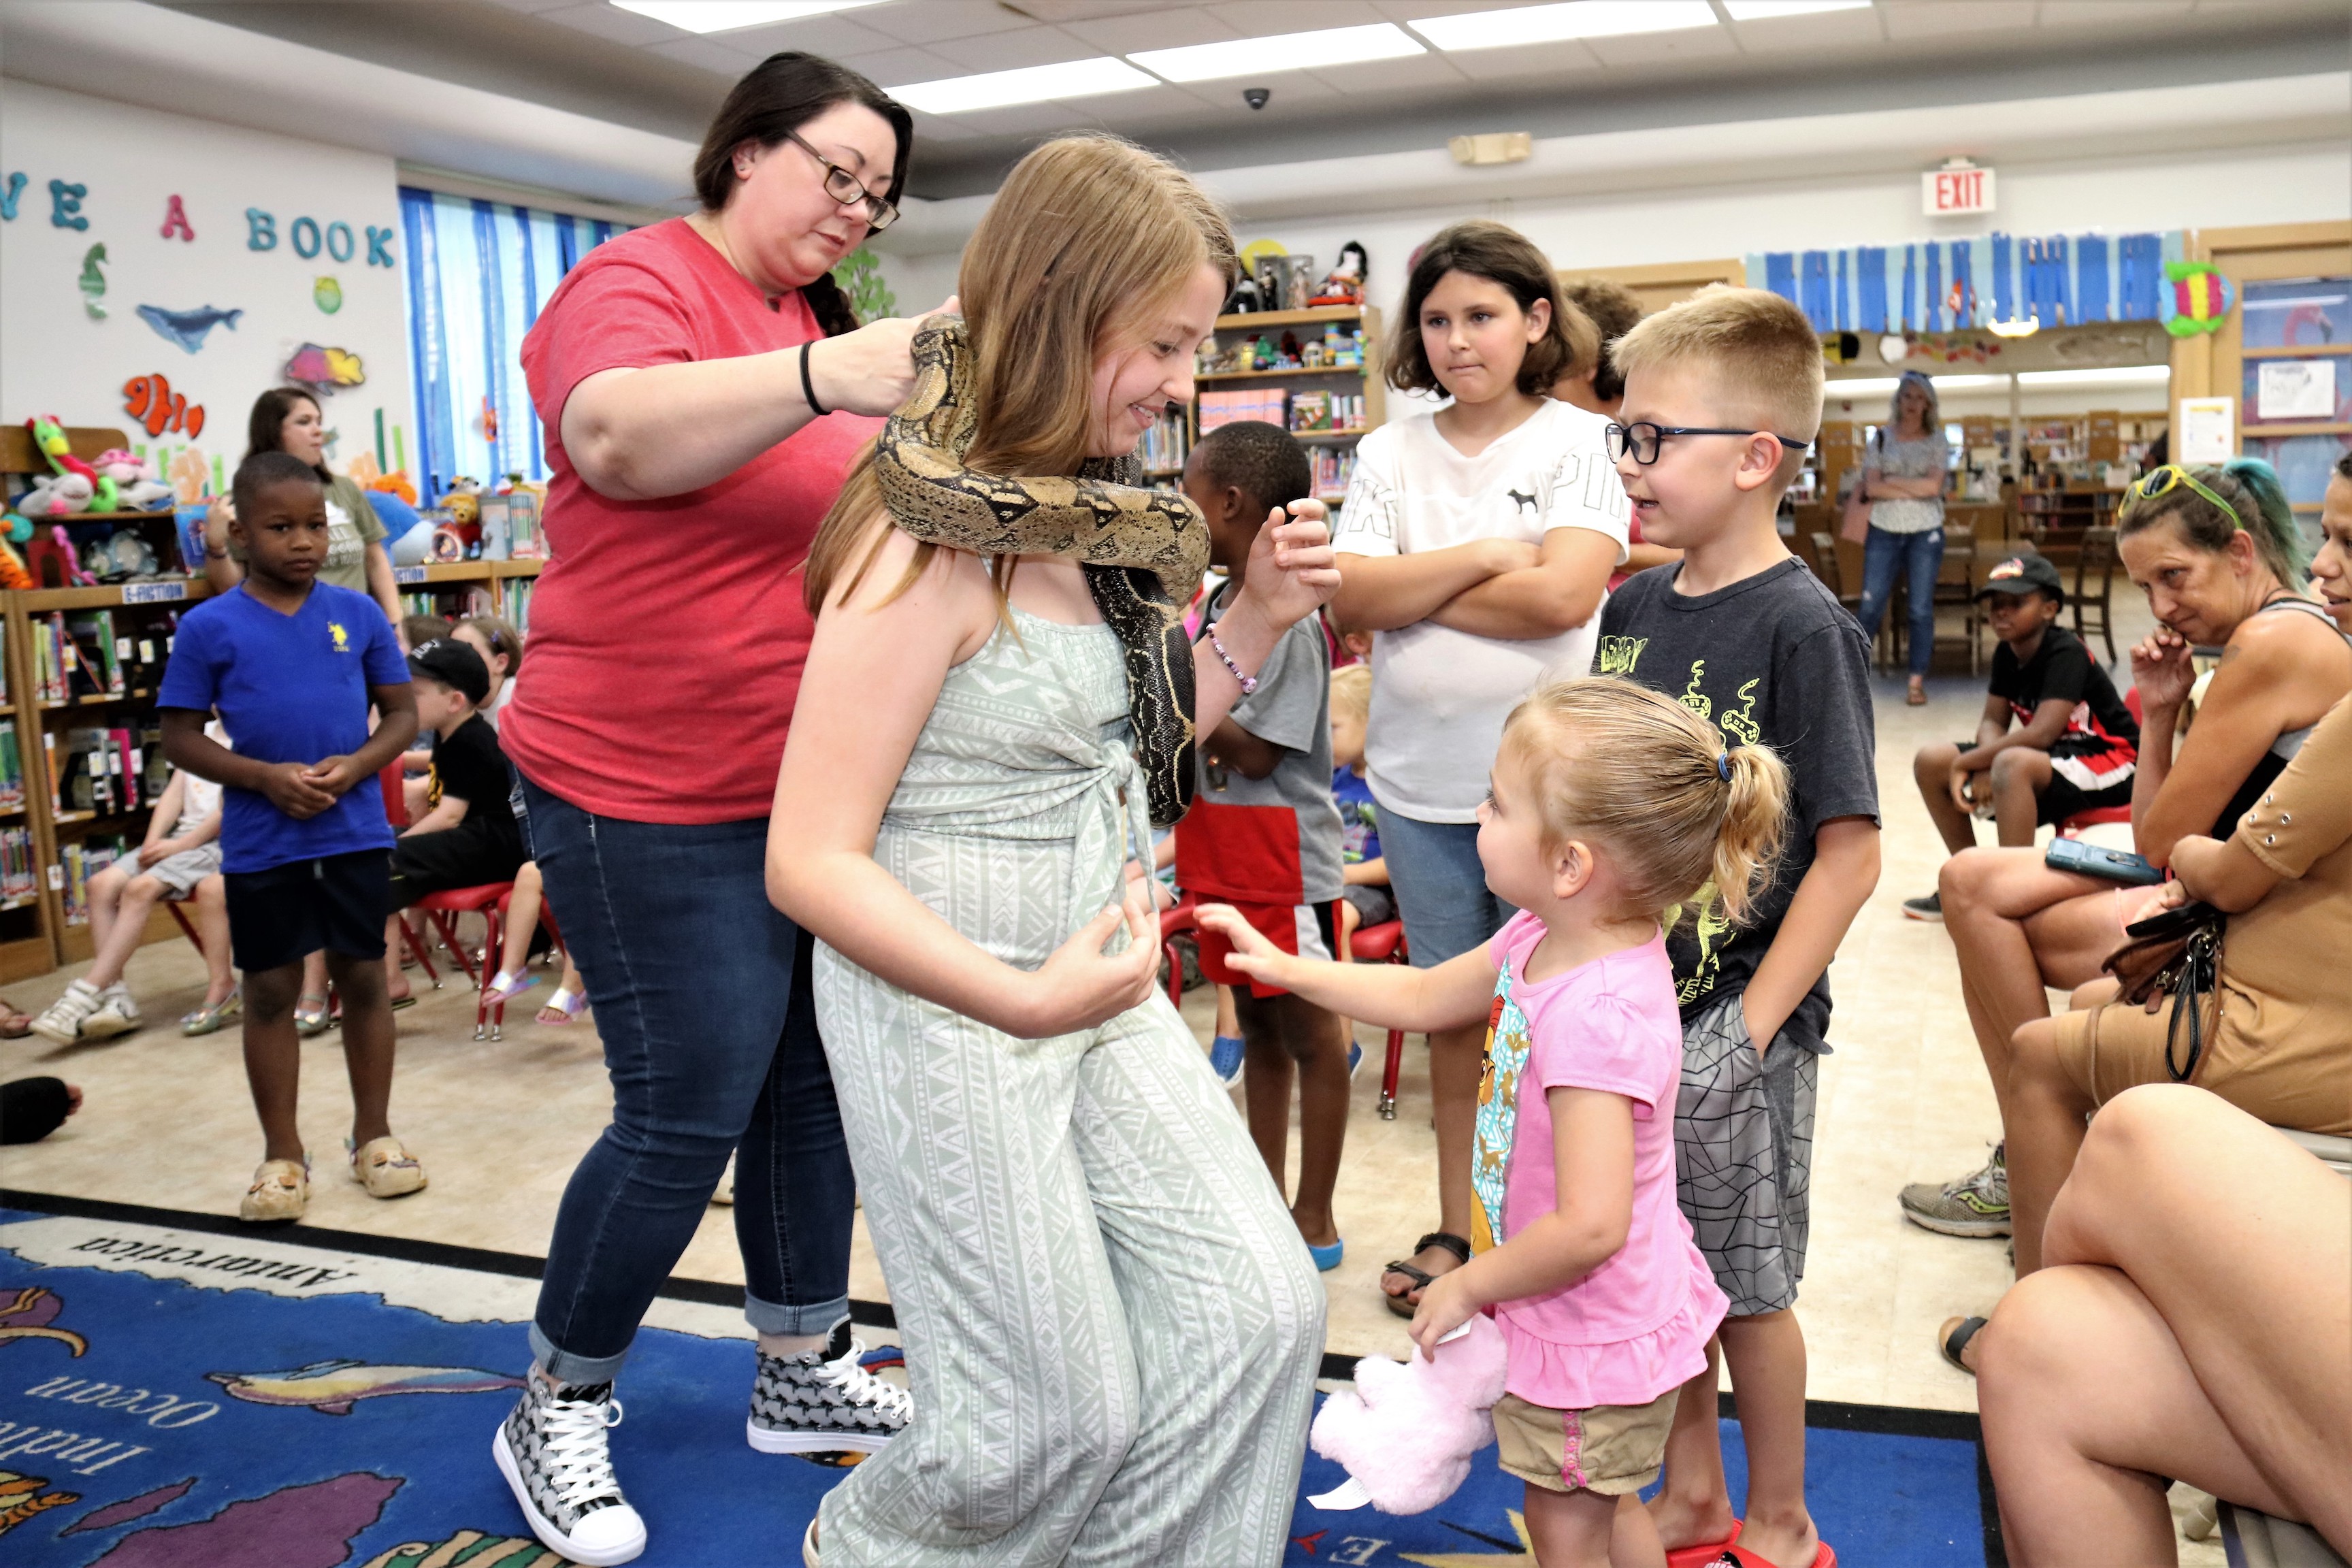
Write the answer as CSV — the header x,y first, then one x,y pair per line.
x,y
1723,395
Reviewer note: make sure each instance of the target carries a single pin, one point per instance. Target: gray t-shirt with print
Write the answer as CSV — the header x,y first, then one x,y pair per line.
x,y
1919,457
1292,708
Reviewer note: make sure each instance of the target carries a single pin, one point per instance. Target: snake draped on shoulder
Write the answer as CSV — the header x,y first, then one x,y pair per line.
x,y
1143,551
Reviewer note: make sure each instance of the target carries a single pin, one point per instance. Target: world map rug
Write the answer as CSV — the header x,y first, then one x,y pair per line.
x,y
177,1390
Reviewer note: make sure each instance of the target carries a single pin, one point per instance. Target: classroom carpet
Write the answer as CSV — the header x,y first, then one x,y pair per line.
x,y
179,1392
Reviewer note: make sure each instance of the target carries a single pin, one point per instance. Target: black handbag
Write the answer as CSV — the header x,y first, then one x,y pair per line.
x,y
2177,952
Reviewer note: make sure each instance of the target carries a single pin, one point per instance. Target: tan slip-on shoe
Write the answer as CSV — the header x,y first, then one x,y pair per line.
x,y
385,1168
280,1191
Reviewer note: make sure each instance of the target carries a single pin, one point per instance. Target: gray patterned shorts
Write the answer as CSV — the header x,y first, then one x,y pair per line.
x,y
1744,1155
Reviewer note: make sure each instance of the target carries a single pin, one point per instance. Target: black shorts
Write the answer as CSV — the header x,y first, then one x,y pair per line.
x,y
283,915
2065,799
425,863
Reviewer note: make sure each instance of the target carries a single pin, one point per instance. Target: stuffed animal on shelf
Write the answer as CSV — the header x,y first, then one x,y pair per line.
x,y
58,495
50,437
137,486
1344,284
12,565
1406,1434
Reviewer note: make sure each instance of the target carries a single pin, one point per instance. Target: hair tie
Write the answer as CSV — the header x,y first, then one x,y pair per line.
x,y
1723,767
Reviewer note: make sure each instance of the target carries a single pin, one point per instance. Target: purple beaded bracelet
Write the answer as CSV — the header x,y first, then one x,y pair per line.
x,y
1249,682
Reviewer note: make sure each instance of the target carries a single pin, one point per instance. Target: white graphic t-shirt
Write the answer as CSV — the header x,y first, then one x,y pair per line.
x,y
1439,695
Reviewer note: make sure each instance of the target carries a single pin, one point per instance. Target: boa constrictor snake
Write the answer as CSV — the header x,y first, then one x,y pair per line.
x,y
1143,551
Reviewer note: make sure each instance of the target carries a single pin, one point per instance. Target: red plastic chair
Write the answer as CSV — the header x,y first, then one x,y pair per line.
x,y
187,929
494,1013
1382,943
442,909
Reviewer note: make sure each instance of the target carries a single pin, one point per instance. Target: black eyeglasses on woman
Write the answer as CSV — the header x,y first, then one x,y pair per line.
x,y
848,190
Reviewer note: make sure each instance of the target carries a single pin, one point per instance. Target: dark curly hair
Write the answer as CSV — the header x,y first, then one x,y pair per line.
x,y
1264,461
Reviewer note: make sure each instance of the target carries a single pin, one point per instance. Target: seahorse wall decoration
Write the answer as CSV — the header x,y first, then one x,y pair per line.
x,y
1692,698
1742,724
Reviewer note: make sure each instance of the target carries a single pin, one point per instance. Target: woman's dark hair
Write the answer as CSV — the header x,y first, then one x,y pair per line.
x,y
2343,465
2251,487
779,95
264,431
1501,255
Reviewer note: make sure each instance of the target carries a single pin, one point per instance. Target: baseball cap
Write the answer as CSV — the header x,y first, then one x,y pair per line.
x,y
2022,574
454,665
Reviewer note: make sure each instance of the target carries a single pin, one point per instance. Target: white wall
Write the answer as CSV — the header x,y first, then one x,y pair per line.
x,y
54,359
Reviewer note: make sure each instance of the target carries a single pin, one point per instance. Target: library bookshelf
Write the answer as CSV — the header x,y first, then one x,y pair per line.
x,y
1168,446
60,818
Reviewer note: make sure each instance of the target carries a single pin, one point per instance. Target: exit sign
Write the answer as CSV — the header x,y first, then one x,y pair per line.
x,y
1955,189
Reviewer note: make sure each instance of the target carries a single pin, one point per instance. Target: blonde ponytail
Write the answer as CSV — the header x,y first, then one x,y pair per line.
x,y
1650,780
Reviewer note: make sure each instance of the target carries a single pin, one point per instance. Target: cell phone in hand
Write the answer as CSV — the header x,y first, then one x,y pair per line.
x,y
2113,865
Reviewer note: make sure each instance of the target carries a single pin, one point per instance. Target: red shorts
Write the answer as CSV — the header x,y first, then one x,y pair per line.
x,y
1303,929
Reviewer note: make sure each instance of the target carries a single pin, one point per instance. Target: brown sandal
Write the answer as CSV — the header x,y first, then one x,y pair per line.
x,y
14,1026
1915,694
1445,1241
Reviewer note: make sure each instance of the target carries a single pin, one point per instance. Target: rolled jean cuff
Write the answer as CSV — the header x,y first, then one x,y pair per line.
x,y
574,1371
773,1317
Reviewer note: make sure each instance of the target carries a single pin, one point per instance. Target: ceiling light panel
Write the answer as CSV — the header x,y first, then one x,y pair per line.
x,y
726,15
1765,10
1553,24
1030,84
1286,51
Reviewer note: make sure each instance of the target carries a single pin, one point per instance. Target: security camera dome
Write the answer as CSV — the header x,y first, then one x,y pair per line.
x,y
1256,96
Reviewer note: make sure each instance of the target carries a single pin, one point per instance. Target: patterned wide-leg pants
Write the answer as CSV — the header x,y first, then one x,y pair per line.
x,y
1112,1326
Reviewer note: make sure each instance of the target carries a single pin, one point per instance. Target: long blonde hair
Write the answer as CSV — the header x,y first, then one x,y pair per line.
x,y
1090,234
1645,777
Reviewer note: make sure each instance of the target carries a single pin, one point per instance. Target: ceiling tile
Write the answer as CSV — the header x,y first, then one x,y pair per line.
x,y
612,22
1029,119
1010,51
1832,29
1646,49
935,128
921,21
1291,90
1172,29
533,5
1254,19
1564,57
712,54
1930,18
832,37
2111,13
904,64
1367,78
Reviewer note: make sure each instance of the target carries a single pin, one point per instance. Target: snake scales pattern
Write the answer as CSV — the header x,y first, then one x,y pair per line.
x,y
1143,551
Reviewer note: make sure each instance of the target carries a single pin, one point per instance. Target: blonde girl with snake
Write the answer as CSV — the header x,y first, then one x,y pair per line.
x,y
1112,1327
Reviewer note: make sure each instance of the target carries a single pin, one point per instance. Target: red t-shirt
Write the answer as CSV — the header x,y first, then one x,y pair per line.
x,y
667,637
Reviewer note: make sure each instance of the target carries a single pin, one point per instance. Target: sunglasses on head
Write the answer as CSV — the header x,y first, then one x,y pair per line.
x,y
2163,481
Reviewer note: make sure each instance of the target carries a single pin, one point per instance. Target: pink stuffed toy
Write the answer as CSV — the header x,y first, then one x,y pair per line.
x,y
1406,1434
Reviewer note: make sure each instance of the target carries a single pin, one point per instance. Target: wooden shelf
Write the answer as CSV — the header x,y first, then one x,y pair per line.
x,y
161,514
2251,428
1315,314
114,595
1330,435
1355,370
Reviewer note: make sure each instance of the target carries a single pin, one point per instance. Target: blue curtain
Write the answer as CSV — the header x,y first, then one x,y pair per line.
x,y
478,273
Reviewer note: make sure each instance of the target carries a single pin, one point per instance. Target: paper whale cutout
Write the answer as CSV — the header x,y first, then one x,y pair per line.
x,y
187,328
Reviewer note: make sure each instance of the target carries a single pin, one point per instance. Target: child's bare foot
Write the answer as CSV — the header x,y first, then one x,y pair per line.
x,y
1439,1252
1684,1522
1785,1543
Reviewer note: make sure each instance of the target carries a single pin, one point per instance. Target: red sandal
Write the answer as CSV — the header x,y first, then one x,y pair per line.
x,y
1705,1553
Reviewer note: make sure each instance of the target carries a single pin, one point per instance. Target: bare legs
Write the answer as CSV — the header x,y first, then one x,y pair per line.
x,y
1281,1032
212,926
273,1052
1767,1353
2194,1321
120,899
1588,1530
2019,926
1932,770
522,919
2043,1113
1456,1059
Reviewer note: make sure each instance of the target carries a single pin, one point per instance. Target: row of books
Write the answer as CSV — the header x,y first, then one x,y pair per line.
x,y
76,864
1326,411
1333,468
95,655
12,768
106,770
1167,444
1266,405
19,874
519,593
449,604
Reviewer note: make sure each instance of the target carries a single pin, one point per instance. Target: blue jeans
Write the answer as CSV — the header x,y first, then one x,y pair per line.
x,y
702,998
1885,557
1441,888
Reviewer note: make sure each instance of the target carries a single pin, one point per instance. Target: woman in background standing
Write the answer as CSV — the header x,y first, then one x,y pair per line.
x,y
1905,478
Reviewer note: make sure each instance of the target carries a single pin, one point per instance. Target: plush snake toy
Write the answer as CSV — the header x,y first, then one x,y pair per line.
x,y
1143,551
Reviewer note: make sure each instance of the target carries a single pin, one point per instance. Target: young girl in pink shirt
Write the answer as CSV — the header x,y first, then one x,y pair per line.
x,y
1612,813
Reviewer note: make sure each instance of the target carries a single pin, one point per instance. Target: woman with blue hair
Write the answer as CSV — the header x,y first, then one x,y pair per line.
x,y
1904,477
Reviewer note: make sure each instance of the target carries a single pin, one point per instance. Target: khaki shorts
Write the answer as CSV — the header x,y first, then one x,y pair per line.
x,y
1610,1448
2297,1081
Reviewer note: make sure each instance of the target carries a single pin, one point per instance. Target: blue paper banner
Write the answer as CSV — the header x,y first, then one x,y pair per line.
x,y
1949,284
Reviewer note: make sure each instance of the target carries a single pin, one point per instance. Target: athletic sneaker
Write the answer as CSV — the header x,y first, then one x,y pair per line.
x,y
1974,1204
1930,908
117,1013
68,1019
551,1450
824,1401
1225,1058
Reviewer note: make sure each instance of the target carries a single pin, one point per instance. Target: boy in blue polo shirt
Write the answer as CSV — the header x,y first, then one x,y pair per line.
x,y
293,664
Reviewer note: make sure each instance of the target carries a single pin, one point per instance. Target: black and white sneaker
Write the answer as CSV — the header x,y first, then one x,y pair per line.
x,y
823,1400
551,1451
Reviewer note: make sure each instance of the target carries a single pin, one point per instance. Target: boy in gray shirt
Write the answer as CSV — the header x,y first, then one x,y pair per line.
x,y
1263,833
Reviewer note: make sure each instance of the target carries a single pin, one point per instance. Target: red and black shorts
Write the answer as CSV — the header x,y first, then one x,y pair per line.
x,y
1306,931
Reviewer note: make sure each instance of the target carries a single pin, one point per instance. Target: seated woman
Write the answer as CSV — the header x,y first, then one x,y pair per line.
x,y
2221,560
2192,1325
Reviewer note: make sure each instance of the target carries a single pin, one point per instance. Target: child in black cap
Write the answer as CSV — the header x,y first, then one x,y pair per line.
x,y
466,835
2076,745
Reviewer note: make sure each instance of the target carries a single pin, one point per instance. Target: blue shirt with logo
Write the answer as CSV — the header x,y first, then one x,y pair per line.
x,y
290,688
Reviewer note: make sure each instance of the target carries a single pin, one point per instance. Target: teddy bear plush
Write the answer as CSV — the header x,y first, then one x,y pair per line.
x,y
1406,1434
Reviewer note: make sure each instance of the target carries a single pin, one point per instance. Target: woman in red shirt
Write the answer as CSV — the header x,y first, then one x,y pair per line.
x,y
683,373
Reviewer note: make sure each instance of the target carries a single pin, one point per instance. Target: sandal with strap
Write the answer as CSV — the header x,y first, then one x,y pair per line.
x,y
1953,1339
1446,1241
311,1019
208,1018
566,1004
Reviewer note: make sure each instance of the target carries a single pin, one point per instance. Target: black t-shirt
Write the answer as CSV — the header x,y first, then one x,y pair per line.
x,y
1774,659
468,763
2063,669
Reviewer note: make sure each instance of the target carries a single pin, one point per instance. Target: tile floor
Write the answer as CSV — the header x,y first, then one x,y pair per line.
x,y
500,1125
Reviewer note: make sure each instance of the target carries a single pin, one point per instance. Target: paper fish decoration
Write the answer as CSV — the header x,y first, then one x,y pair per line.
x,y
315,365
333,1387
93,282
187,328
328,295
150,399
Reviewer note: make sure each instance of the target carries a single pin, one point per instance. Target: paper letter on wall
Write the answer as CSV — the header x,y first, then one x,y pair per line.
x,y
175,221
262,233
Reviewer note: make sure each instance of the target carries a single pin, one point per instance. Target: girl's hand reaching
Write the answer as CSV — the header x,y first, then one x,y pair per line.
x,y
1080,985
1252,953
1292,571
2161,671
1446,1303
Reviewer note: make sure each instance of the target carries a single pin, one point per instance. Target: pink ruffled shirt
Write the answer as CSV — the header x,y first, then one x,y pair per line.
x,y
1637,1325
